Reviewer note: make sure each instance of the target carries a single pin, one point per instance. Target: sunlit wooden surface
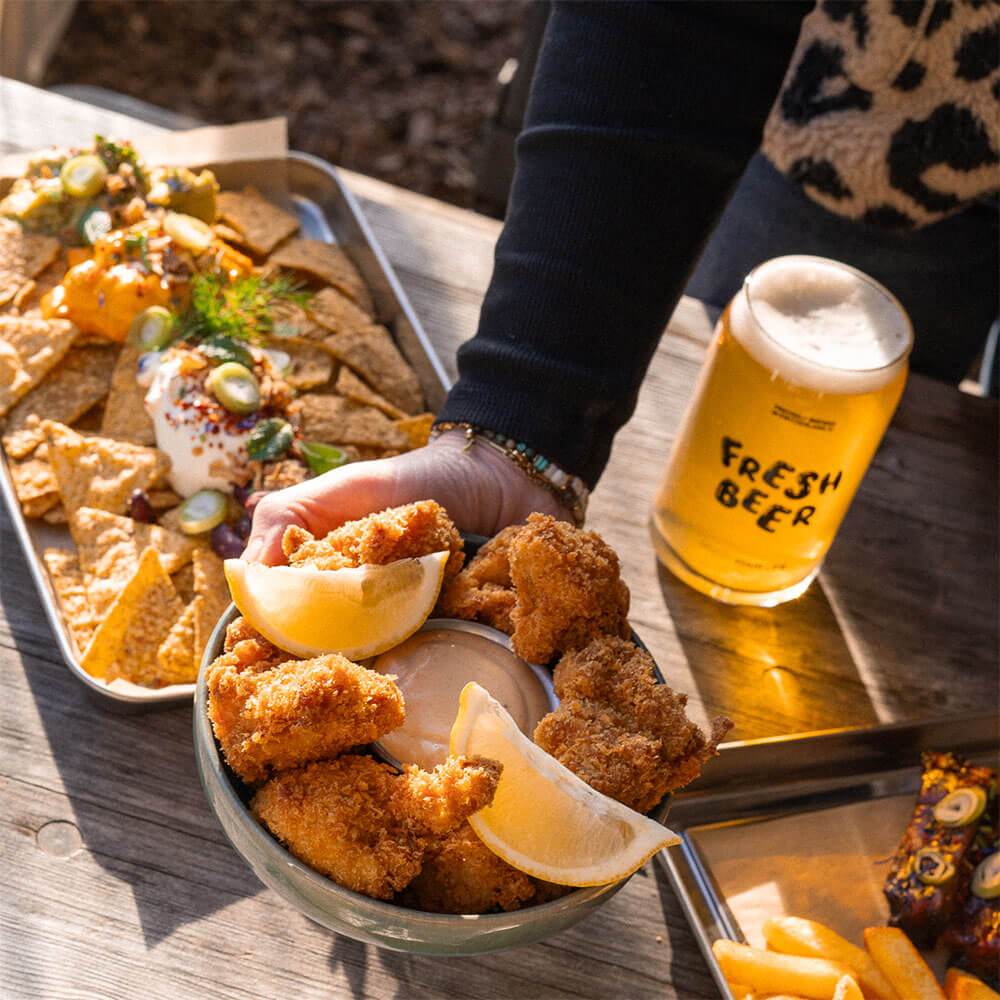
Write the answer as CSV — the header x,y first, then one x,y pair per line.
x,y
117,879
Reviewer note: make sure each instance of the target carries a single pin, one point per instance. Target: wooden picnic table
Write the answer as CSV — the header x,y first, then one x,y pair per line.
x,y
118,881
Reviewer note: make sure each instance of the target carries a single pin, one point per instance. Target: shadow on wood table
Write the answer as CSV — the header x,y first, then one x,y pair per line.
x,y
127,782
780,670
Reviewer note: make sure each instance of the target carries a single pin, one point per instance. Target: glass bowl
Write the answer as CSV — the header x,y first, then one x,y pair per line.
x,y
372,921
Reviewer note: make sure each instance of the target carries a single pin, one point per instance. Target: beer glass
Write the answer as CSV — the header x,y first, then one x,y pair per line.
x,y
803,374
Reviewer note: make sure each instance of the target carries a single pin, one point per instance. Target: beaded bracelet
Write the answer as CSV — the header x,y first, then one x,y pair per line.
x,y
571,491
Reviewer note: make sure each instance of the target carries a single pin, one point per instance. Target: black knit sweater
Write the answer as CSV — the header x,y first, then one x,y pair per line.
x,y
641,119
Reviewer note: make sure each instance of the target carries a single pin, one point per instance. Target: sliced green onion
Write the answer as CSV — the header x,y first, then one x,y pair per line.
x,y
235,386
187,231
931,867
202,511
93,224
986,878
152,329
83,176
961,807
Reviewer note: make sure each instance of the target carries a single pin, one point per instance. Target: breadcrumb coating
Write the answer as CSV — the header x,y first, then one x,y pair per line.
x,y
410,531
366,826
270,711
624,733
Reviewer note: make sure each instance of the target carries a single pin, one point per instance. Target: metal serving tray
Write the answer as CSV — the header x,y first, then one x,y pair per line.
x,y
757,782
311,189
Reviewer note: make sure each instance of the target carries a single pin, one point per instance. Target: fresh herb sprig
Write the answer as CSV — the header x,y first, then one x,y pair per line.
x,y
139,242
114,154
237,309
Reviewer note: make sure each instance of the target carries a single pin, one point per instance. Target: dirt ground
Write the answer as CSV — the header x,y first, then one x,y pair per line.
x,y
398,89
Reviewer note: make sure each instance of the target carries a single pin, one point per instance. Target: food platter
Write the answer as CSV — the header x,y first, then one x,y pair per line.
x,y
311,190
836,803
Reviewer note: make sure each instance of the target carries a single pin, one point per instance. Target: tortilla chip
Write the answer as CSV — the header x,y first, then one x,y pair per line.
x,y
100,472
71,591
22,256
417,428
110,547
329,263
348,384
311,365
336,312
184,582
367,453
175,657
373,355
292,325
56,515
23,294
333,418
76,383
128,638
29,349
261,225
35,485
281,475
125,414
211,597
172,519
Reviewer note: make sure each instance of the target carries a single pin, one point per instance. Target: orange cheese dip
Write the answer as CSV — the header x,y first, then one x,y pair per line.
x,y
105,300
105,292
432,667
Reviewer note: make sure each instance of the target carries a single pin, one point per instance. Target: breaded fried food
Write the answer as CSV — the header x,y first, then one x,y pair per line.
x,y
569,589
465,876
624,733
366,826
271,712
415,529
548,585
483,591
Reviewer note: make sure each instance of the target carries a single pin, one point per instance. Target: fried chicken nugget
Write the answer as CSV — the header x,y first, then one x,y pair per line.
x,y
270,711
550,586
366,826
415,529
483,591
624,733
568,586
465,876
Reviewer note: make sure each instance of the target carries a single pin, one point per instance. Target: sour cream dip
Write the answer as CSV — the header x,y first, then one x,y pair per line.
x,y
432,667
206,443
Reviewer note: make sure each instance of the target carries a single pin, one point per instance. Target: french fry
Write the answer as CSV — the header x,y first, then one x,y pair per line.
x,y
798,936
959,985
901,963
847,989
770,972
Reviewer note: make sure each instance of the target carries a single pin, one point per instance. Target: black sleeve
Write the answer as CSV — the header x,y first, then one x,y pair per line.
x,y
641,119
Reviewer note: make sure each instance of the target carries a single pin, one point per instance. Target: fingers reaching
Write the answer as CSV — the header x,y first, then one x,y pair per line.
x,y
481,490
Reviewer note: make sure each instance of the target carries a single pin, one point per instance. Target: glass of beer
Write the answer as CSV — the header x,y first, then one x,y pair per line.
x,y
802,377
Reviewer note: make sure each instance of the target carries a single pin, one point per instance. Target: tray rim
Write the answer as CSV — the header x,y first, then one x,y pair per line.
x,y
127,701
690,876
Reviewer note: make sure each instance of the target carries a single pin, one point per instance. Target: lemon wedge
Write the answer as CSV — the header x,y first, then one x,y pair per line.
x,y
358,612
544,820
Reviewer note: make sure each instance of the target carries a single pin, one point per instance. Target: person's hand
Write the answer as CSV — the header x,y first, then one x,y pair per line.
x,y
482,490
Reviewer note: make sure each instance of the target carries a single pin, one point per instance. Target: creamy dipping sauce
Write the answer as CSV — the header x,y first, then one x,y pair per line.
x,y
431,669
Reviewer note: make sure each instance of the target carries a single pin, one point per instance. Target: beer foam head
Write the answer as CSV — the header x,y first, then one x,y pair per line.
x,y
821,324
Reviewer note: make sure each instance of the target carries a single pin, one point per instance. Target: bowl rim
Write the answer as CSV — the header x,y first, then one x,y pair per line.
x,y
265,841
